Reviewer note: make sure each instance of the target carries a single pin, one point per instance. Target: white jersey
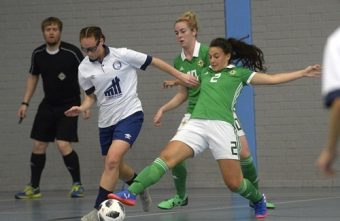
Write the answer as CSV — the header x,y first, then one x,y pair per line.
x,y
114,82
331,68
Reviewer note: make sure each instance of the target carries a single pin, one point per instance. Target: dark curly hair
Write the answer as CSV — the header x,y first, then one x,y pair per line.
x,y
250,55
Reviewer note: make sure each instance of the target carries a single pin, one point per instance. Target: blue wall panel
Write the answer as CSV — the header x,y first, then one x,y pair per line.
x,y
238,25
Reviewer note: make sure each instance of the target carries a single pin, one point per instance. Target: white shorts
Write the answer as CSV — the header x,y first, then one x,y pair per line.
x,y
239,130
218,136
237,125
184,121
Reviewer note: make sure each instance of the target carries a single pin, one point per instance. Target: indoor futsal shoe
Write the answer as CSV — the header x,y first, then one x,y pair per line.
x,y
269,204
261,209
124,196
145,199
77,191
29,193
173,202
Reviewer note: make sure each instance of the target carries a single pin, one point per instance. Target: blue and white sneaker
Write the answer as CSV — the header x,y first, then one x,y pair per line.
x,y
261,209
269,205
125,197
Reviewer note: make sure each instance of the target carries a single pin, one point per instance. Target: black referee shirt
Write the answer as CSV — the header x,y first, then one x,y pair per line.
x,y
59,73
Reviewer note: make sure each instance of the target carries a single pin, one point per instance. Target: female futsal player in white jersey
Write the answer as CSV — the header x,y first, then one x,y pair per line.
x,y
109,76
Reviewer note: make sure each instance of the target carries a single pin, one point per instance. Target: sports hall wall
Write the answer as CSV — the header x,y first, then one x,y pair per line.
x,y
290,119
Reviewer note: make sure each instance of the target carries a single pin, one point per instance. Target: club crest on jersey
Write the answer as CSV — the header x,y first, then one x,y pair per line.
x,y
232,72
200,63
117,65
61,76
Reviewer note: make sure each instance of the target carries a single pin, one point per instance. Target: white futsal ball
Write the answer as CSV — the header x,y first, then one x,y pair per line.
x,y
111,210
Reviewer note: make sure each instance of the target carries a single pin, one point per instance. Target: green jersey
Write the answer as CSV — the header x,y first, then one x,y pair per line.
x,y
219,92
200,60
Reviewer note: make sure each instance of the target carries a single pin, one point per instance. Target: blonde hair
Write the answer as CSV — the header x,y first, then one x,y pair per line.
x,y
190,18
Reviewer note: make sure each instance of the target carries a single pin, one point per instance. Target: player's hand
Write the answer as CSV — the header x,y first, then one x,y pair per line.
x,y
189,80
157,119
86,114
73,111
169,83
312,71
325,162
22,111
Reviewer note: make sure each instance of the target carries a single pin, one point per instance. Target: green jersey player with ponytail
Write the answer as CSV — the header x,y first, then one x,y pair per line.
x,y
212,123
193,58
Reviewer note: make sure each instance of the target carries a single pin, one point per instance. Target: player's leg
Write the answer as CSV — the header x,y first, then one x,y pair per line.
x,y
186,143
42,133
37,162
179,175
232,176
71,161
113,159
247,162
110,175
67,132
248,167
128,175
224,145
171,155
114,145
246,159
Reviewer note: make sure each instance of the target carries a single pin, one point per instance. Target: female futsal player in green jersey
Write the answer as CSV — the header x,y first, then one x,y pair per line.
x,y
193,58
212,122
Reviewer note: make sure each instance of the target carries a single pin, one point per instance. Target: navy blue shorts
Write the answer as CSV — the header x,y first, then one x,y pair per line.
x,y
126,130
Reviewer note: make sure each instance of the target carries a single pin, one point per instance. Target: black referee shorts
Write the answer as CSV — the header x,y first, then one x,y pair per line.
x,y
51,124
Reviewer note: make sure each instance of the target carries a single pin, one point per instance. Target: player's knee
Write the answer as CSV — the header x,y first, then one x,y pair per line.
x,y
39,147
111,163
64,147
232,184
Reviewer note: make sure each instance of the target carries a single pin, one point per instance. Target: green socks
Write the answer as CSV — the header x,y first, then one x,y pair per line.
x,y
249,170
248,191
179,174
149,176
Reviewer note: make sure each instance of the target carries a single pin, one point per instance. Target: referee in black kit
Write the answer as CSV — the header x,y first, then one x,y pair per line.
x,y
57,63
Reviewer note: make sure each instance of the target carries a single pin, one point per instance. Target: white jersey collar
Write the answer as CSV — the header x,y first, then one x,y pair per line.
x,y
229,66
196,50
